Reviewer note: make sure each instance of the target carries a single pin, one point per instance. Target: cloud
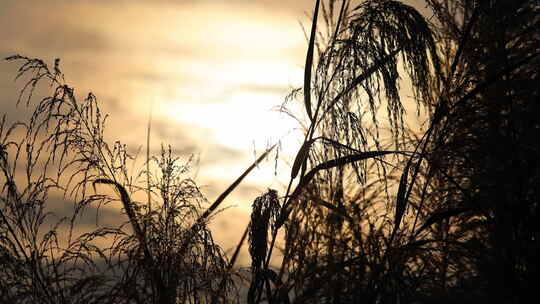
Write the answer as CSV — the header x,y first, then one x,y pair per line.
x,y
298,5
278,90
46,29
204,64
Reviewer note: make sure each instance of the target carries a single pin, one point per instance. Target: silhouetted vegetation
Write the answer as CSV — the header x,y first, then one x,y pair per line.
x,y
375,211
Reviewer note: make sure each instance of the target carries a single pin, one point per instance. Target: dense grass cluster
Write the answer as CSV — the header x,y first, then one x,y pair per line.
x,y
375,212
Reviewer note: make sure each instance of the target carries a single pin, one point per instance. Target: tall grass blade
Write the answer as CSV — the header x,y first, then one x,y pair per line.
x,y
464,38
148,131
341,161
126,201
339,211
338,162
281,290
344,4
401,199
309,63
140,234
239,247
215,298
233,186
338,145
441,215
301,158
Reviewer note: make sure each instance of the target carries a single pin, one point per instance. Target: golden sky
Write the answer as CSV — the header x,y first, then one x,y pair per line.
x,y
212,71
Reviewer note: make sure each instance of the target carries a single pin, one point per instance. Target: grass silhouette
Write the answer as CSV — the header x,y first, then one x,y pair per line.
x,y
366,217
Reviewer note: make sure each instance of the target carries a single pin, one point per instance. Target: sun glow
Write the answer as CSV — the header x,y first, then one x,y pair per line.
x,y
238,102
239,121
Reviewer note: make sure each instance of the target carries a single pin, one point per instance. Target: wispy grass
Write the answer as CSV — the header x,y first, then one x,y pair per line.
x,y
165,255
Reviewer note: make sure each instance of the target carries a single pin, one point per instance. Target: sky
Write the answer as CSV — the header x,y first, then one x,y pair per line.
x,y
210,72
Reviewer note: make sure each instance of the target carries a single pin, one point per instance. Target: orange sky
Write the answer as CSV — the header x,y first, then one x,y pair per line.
x,y
211,69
